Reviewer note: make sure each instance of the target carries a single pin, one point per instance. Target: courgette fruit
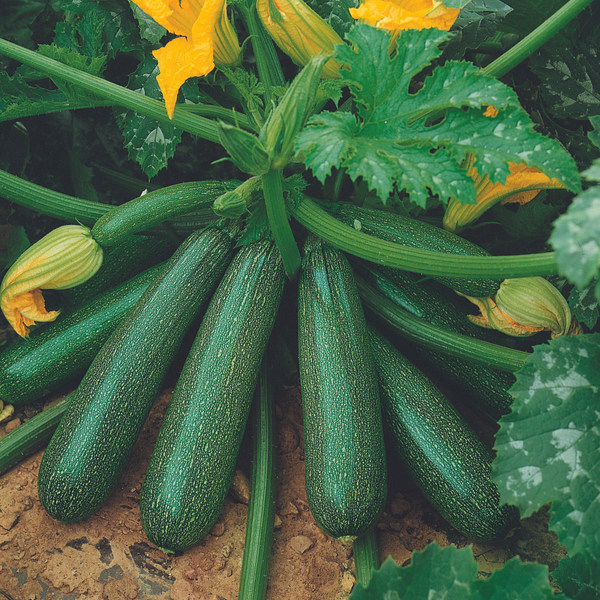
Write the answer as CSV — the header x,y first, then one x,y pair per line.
x,y
32,435
443,455
88,451
193,461
343,436
59,352
156,207
120,263
418,234
485,388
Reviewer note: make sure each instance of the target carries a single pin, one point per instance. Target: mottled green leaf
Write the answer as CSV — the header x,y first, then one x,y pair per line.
x,y
571,77
149,29
584,305
392,141
579,576
149,142
548,447
336,13
576,235
450,573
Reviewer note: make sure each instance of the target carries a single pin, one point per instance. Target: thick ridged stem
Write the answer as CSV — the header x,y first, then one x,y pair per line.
x,y
436,338
278,220
539,36
115,94
366,560
426,262
261,508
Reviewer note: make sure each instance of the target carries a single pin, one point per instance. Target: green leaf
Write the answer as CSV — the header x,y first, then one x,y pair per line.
x,y
579,576
571,77
594,134
548,447
450,573
149,142
336,13
576,235
149,29
584,305
391,141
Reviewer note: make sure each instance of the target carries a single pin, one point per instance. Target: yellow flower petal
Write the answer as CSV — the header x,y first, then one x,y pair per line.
x,y
398,15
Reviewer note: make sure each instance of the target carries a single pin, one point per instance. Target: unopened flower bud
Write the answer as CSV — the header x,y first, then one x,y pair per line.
x,y
287,119
245,149
300,32
233,204
64,258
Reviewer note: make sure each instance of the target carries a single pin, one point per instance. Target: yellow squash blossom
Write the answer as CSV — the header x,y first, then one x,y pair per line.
x,y
62,259
524,306
300,32
207,37
398,15
522,185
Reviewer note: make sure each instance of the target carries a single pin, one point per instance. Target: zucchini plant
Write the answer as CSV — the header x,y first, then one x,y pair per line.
x,y
394,113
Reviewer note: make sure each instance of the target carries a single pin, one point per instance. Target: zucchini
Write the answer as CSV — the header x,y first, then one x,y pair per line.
x,y
59,352
443,455
418,234
32,435
343,436
88,451
483,387
156,207
120,263
193,461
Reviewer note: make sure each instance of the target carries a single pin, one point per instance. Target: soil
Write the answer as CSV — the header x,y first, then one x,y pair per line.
x,y
108,556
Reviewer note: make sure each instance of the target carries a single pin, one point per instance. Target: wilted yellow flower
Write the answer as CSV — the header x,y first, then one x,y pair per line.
x,y
398,15
207,37
522,185
524,306
300,32
64,258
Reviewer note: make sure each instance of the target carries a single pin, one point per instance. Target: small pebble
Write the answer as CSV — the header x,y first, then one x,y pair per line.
x,y
12,425
218,529
348,581
300,544
289,509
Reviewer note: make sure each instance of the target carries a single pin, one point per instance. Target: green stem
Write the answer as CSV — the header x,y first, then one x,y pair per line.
x,y
366,560
77,210
261,508
539,36
278,219
425,262
438,339
267,63
112,92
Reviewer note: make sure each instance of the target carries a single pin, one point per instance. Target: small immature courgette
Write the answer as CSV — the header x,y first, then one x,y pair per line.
x,y
193,461
443,455
418,234
343,437
88,451
60,352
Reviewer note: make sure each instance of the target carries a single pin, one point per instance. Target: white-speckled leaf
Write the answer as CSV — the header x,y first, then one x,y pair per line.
x,y
548,448
576,235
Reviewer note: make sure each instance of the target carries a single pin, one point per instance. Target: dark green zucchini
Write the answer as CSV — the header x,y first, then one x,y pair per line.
x,y
60,352
32,435
443,455
343,438
418,234
156,207
88,451
120,263
484,387
193,461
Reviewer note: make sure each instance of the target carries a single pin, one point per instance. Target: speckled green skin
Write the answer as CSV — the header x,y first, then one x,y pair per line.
x,y
483,387
343,439
62,351
193,460
88,451
441,452
418,234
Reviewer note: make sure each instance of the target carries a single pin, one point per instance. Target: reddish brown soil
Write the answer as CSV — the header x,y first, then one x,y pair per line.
x,y
107,556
